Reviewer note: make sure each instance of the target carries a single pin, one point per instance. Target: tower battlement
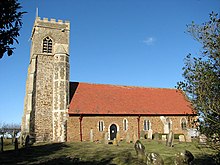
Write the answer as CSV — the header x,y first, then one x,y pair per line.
x,y
46,21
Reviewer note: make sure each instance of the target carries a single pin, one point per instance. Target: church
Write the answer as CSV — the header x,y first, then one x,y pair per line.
x,y
58,110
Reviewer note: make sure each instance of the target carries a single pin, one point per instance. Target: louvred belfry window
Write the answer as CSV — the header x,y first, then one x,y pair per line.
x,y
47,45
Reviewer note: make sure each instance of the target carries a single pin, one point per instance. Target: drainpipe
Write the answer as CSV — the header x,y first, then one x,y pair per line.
x,y
80,127
138,119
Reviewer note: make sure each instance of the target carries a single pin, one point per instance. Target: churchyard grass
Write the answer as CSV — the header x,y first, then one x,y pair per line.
x,y
85,153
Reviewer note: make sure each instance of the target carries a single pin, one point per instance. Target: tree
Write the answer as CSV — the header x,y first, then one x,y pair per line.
x,y
10,24
202,77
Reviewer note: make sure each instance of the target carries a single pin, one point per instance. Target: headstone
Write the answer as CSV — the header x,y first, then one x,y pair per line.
x,y
118,137
182,158
188,138
170,138
115,142
156,136
142,134
202,139
181,138
134,138
140,149
154,159
106,138
149,134
128,140
16,144
91,135
164,137
1,144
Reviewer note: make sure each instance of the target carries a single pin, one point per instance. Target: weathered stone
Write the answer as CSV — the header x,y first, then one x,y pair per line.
x,y
181,138
184,157
188,138
91,135
164,137
118,137
154,159
140,149
128,140
134,138
115,142
106,138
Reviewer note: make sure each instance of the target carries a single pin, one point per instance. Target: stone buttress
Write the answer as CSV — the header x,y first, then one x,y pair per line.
x,y
47,85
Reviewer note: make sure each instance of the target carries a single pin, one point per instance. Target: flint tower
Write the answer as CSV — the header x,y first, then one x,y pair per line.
x,y
47,84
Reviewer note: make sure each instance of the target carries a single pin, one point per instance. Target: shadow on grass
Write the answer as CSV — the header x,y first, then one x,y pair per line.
x,y
31,154
204,159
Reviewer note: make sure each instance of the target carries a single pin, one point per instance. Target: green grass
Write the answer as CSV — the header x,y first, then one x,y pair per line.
x,y
84,153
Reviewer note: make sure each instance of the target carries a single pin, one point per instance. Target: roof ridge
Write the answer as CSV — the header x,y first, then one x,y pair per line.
x,y
126,86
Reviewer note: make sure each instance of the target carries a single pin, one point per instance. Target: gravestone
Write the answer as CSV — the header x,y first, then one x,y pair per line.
x,y
128,140
170,138
134,138
118,137
154,159
149,134
142,134
202,139
188,138
164,137
1,144
181,138
115,142
91,135
184,157
140,149
106,138
156,136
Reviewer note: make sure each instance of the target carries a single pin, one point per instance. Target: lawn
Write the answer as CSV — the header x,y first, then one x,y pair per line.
x,y
86,153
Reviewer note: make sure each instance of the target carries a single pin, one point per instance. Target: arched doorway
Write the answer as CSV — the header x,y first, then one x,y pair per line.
x,y
113,131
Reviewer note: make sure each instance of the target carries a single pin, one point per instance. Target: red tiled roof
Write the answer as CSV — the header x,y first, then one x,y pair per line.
x,y
124,100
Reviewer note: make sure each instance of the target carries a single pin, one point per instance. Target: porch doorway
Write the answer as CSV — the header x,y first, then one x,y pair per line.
x,y
113,131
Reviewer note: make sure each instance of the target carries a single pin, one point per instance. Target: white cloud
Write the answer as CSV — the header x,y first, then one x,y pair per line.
x,y
149,41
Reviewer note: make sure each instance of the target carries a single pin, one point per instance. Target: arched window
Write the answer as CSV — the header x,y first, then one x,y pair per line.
x,y
47,45
183,124
125,124
101,126
147,125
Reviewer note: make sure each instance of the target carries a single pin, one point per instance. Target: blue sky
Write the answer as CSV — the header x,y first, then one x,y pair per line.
x,y
124,42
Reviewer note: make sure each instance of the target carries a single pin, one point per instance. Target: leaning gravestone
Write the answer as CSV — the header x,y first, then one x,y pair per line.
x,y
154,159
140,149
181,138
170,138
149,134
164,137
184,157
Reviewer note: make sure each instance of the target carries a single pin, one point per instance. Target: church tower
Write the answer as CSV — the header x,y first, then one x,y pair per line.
x,y
47,85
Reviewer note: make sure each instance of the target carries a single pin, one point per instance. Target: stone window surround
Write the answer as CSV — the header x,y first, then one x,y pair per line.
x,y
147,125
101,126
125,124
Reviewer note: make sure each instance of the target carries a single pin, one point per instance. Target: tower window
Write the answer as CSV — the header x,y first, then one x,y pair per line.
x,y
47,45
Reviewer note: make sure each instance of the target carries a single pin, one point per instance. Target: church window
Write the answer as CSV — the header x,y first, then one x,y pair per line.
x,y
125,124
147,125
183,124
101,126
47,45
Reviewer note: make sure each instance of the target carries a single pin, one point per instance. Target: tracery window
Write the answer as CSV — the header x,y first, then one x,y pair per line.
x,y
125,124
101,126
147,125
47,45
